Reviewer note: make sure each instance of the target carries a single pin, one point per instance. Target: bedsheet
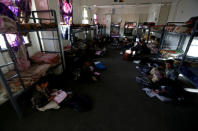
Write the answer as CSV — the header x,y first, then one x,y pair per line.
x,y
29,77
47,58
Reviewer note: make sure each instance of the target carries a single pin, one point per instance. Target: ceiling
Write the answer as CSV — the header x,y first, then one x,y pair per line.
x,y
126,2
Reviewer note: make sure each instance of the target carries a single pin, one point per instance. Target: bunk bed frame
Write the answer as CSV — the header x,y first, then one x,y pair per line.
x,y
116,26
11,96
161,33
78,29
182,37
193,34
101,29
140,30
165,33
131,29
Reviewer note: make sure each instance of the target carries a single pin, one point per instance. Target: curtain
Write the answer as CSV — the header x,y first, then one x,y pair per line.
x,y
66,11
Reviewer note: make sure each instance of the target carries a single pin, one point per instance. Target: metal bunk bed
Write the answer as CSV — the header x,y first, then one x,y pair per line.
x,y
4,82
182,37
143,29
158,34
115,30
129,28
140,30
78,29
165,33
101,30
185,57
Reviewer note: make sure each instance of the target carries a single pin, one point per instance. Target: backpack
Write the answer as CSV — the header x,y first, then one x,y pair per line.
x,y
80,103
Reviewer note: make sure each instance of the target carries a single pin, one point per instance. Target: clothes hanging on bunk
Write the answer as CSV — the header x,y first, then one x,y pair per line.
x,y
7,25
22,62
5,11
6,2
24,9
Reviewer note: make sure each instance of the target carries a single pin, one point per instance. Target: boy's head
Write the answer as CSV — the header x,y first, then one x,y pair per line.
x,y
42,84
169,64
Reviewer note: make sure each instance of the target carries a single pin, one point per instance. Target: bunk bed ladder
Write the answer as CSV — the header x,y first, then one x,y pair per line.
x,y
13,57
4,81
11,97
59,41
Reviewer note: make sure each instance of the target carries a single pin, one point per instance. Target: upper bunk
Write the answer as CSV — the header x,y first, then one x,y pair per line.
x,y
18,78
76,28
157,28
129,28
43,20
178,38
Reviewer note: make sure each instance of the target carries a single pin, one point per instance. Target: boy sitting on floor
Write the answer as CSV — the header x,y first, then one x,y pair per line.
x,y
43,99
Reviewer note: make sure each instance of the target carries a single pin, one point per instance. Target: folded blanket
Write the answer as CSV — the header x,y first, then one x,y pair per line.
x,y
47,58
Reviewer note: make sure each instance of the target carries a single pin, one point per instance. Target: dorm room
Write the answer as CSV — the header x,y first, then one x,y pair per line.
x,y
98,65
28,70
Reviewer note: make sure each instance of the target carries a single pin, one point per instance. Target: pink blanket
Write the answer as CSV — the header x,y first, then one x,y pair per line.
x,y
47,58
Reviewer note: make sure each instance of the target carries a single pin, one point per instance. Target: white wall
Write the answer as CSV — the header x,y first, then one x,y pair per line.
x,y
121,14
154,11
182,10
127,2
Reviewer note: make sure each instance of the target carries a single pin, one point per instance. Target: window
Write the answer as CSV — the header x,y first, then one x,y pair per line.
x,y
66,11
85,16
193,48
95,19
11,39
